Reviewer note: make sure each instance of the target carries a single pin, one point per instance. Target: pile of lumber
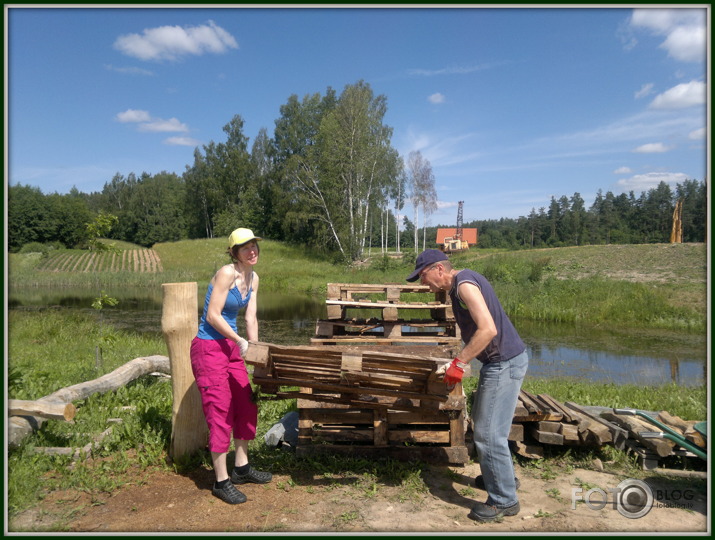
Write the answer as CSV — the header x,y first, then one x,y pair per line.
x,y
541,420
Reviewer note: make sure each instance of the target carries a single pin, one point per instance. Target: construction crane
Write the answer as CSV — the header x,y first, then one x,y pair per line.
x,y
456,242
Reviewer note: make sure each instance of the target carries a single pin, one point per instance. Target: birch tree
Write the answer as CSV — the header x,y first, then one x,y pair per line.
x,y
423,194
343,177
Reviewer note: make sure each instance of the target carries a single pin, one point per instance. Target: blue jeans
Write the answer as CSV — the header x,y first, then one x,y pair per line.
x,y
492,413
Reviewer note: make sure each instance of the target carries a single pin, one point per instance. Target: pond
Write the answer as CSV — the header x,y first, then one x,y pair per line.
x,y
620,356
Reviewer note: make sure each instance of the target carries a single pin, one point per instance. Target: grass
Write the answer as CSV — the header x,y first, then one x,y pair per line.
x,y
139,444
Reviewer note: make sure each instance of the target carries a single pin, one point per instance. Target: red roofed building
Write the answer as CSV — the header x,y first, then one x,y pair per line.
x,y
470,235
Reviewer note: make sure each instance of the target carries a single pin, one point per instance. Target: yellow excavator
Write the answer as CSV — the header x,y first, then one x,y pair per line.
x,y
452,244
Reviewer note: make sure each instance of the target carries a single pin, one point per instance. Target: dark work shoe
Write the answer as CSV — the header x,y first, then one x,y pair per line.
x,y
229,494
485,512
479,482
257,477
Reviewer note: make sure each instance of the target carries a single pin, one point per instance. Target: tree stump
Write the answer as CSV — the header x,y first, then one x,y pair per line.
x,y
179,324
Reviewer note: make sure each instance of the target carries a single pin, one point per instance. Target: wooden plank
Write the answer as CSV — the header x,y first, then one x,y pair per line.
x,y
549,426
351,361
258,354
429,340
520,410
516,433
547,437
594,433
558,407
380,427
341,434
457,429
618,434
399,436
332,416
380,305
570,433
528,403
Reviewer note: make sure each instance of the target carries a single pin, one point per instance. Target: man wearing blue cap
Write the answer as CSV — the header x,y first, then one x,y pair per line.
x,y
490,337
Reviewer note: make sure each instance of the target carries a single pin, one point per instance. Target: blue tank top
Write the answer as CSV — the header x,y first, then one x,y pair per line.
x,y
507,343
234,303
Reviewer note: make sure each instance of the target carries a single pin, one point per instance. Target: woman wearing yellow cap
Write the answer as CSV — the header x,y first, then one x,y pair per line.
x,y
217,354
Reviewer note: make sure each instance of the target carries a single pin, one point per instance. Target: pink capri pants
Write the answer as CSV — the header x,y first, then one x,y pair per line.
x,y
226,393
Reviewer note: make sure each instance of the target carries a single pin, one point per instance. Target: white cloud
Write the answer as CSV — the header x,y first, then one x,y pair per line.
x,y
181,141
697,134
644,182
681,96
133,115
129,70
159,125
652,148
645,90
623,170
443,205
684,30
436,98
454,70
174,42
149,124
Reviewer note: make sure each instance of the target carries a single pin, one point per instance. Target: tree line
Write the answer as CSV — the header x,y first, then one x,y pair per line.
x,y
328,179
611,219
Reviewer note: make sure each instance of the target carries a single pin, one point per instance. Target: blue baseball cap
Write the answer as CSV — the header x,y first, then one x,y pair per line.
x,y
425,259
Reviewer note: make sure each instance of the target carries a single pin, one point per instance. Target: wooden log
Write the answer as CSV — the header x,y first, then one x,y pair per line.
x,y
685,427
603,430
179,325
55,411
661,447
21,426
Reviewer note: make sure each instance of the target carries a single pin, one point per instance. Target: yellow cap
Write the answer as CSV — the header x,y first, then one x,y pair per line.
x,y
241,236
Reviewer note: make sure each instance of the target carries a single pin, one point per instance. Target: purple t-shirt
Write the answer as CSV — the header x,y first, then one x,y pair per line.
x,y
506,344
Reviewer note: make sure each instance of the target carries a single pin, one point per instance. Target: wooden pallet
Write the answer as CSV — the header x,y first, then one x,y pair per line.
x,y
425,331
387,298
371,378
429,434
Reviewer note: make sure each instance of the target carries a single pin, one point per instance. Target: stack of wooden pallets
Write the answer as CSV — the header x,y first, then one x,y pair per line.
x,y
366,403
389,324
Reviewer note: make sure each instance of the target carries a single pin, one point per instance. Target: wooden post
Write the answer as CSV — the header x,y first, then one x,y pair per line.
x,y
179,324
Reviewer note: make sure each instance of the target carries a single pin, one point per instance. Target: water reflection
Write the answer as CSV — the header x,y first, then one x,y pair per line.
x,y
620,356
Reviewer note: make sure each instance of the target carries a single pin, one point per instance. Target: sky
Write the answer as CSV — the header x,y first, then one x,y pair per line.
x,y
510,105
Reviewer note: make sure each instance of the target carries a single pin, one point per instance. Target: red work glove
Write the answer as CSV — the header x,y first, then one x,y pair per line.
x,y
454,372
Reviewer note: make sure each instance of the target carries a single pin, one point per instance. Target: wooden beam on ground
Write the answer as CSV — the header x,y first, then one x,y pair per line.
x,y
618,434
21,426
661,447
54,411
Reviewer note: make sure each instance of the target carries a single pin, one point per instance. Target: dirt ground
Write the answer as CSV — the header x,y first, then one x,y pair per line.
x,y
167,502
